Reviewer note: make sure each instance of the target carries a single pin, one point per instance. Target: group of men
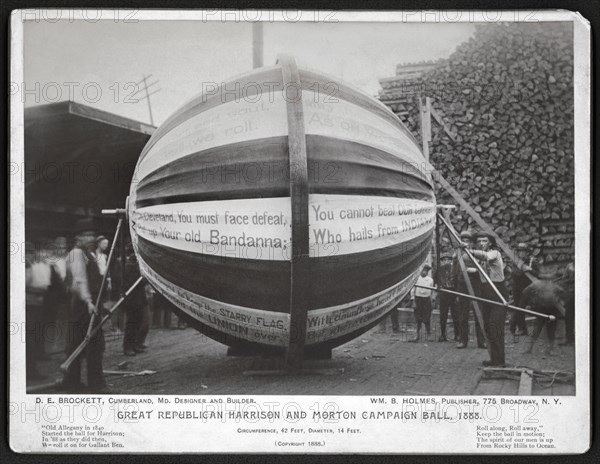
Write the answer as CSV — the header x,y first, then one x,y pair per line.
x,y
86,266
459,273
79,275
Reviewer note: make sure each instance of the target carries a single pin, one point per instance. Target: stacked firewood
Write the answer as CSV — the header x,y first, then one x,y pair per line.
x,y
507,97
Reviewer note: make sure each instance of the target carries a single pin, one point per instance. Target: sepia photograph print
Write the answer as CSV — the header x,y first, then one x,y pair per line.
x,y
299,231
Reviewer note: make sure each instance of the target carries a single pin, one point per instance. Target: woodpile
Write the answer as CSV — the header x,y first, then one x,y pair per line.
x,y
507,96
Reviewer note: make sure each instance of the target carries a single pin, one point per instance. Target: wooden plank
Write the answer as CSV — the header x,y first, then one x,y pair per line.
x,y
476,379
425,125
298,169
308,371
257,45
557,389
441,122
508,387
526,382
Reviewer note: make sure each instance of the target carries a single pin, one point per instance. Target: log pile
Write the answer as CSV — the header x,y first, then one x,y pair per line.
x,y
507,95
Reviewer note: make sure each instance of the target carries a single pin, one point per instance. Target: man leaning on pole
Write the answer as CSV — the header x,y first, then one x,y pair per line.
x,y
83,284
494,317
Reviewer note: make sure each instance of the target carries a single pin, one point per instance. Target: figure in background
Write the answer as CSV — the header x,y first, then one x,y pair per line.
x,y
134,308
56,297
494,317
519,282
447,301
37,281
83,285
148,312
393,317
117,317
464,305
102,245
423,302
567,285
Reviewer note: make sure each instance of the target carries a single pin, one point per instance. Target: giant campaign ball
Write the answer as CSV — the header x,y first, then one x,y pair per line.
x,y
228,182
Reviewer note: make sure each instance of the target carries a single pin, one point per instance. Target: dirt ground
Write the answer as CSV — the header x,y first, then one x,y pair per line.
x,y
378,363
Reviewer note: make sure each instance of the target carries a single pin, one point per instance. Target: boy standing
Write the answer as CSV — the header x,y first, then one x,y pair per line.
x,y
423,302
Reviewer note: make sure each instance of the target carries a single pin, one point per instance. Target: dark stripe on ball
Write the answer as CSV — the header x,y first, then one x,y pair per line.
x,y
258,169
264,284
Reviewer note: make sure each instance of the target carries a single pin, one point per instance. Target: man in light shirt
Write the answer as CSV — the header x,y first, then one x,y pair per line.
x,y
83,284
494,317
423,302
102,259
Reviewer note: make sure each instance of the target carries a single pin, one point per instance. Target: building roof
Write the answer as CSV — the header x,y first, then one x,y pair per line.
x,y
78,159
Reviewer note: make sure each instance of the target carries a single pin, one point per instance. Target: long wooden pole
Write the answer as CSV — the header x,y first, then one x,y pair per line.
x,y
479,220
83,345
483,300
450,228
105,276
257,45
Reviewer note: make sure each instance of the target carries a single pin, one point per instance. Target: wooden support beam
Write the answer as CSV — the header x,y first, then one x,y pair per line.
x,y
298,167
476,308
524,374
441,122
448,222
316,371
484,300
257,45
425,112
481,222
41,388
526,383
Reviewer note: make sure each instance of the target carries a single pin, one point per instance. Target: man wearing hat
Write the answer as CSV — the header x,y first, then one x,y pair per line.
x,y
494,317
464,305
519,282
423,302
447,300
83,285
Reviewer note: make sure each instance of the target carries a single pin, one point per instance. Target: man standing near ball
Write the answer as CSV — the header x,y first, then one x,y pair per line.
x,y
83,284
494,317
423,302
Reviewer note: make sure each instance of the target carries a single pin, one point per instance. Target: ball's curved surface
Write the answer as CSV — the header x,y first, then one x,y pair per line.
x,y
210,210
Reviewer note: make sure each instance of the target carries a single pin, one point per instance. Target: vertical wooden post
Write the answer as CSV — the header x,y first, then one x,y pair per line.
x,y
257,45
148,99
299,198
425,113
437,250
425,124
122,253
118,235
